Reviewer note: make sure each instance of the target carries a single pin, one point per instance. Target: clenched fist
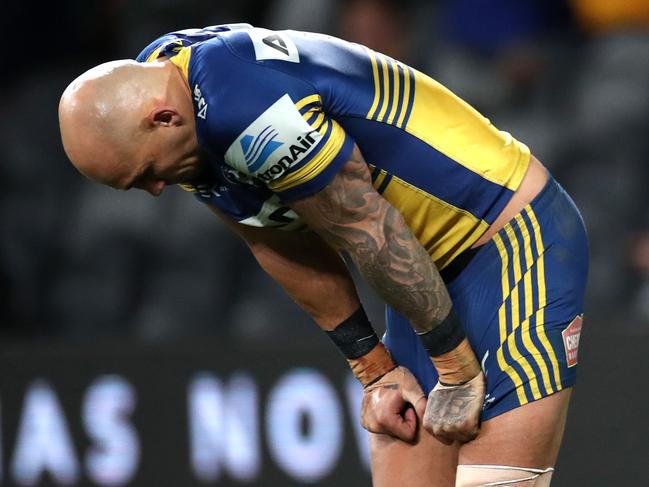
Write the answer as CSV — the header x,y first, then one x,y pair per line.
x,y
394,405
453,412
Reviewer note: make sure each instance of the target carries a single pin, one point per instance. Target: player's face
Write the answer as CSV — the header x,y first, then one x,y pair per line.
x,y
169,155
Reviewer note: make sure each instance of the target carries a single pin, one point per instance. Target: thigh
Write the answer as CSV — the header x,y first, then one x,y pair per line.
x,y
521,300
428,463
522,305
528,436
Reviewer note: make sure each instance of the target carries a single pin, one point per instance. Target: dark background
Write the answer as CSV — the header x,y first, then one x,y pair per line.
x,y
83,266
605,442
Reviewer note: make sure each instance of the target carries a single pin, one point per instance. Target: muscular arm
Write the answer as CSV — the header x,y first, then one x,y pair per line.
x,y
350,215
315,276
310,271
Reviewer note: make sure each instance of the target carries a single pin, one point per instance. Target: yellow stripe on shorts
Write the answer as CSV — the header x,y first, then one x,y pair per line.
x,y
529,311
516,320
540,314
502,324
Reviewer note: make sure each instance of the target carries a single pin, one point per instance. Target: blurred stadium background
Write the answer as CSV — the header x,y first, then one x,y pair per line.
x,y
140,344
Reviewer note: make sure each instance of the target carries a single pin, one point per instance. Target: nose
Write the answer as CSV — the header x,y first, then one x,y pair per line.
x,y
156,187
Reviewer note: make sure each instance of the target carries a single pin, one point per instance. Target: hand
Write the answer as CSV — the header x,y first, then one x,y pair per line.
x,y
392,405
453,412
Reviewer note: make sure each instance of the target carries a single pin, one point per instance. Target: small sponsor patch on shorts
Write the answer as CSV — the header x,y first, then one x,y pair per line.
x,y
571,340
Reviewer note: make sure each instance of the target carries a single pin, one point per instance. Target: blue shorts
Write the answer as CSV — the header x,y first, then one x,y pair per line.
x,y
520,298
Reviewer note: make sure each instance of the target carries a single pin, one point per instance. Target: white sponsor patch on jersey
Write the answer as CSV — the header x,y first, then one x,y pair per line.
x,y
277,140
273,45
274,213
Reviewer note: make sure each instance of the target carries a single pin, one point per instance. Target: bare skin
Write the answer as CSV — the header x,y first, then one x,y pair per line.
x,y
306,267
383,405
129,125
144,137
315,276
351,216
528,436
532,183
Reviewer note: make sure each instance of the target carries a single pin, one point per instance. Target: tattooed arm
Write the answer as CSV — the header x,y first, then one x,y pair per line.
x,y
318,281
351,216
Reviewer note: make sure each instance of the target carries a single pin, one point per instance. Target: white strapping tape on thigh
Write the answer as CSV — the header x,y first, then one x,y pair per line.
x,y
494,475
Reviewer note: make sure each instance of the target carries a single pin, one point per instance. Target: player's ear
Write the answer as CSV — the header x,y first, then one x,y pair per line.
x,y
164,116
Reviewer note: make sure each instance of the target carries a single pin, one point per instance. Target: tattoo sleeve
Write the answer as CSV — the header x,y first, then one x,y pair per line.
x,y
351,216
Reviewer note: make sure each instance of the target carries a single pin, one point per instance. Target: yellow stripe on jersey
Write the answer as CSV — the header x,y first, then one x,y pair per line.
x,y
395,92
540,314
156,52
379,179
188,187
308,99
406,97
386,88
377,86
182,60
387,84
314,118
502,324
456,129
429,217
318,163
154,55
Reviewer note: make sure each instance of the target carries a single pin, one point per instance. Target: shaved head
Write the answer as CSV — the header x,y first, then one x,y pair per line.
x,y
109,118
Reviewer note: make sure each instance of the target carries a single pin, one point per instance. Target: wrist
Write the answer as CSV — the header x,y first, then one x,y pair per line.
x,y
450,351
358,342
445,337
372,366
457,366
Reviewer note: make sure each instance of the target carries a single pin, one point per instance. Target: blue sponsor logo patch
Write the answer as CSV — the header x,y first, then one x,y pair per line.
x,y
256,150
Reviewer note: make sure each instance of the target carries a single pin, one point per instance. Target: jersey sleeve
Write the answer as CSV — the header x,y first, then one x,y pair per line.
x,y
293,147
276,129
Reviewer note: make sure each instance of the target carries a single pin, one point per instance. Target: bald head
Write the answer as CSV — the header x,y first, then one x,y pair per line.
x,y
108,116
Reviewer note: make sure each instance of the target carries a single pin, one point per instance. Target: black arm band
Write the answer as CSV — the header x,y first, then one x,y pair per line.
x,y
444,337
355,336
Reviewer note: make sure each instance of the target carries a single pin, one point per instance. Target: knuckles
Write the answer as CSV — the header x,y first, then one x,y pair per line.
x,y
451,429
453,414
382,417
379,410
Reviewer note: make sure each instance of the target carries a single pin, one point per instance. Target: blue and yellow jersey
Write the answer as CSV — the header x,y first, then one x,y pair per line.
x,y
279,113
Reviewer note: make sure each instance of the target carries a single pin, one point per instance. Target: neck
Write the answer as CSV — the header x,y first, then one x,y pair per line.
x,y
177,83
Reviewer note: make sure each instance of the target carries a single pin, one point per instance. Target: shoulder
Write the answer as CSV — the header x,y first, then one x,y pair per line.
x,y
240,97
183,38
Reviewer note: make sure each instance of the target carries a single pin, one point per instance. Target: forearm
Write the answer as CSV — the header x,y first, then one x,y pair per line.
x,y
312,274
400,270
382,246
310,271
316,277
319,282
